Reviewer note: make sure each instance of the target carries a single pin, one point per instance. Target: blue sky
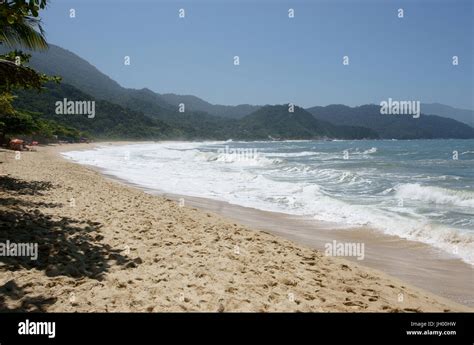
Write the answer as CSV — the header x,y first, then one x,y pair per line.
x,y
282,60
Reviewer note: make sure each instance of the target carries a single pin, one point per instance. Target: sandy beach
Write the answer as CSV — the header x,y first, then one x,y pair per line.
x,y
106,246
413,262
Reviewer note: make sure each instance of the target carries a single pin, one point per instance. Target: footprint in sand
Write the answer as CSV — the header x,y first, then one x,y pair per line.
x,y
360,304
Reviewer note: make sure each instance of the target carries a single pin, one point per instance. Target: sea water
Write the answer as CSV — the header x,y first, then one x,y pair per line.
x,y
421,190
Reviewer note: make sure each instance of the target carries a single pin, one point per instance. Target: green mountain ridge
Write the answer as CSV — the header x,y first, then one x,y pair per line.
x,y
277,122
146,114
111,121
197,104
393,126
462,115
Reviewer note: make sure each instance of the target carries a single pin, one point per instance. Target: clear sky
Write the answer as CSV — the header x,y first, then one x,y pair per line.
x,y
282,60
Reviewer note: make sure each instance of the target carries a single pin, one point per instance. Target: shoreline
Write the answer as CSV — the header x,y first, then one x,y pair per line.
x,y
414,262
106,246
395,256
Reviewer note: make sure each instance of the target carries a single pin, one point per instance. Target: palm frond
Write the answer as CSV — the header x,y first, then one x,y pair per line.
x,y
27,33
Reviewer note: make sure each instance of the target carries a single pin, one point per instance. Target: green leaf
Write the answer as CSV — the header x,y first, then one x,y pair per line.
x,y
11,19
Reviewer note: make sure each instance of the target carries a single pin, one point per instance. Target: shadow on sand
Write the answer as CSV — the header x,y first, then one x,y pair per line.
x,y
65,246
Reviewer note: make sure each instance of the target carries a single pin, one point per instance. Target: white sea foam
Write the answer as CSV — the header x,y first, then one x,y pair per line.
x,y
296,154
369,151
265,181
435,195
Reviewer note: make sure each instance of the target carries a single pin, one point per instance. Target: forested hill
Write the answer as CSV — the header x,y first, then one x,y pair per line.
x,y
393,126
112,121
144,114
279,123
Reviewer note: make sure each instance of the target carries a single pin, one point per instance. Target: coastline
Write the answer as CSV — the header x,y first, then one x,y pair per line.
x,y
157,256
416,263
413,262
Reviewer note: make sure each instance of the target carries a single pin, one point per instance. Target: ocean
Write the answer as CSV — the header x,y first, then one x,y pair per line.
x,y
421,190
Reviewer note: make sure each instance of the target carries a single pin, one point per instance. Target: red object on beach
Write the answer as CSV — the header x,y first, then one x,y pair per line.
x,y
16,144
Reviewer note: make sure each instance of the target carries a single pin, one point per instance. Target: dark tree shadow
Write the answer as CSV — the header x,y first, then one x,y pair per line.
x,y
24,187
29,204
10,290
19,187
65,246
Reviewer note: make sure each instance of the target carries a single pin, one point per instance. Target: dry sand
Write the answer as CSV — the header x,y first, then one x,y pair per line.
x,y
415,263
104,246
